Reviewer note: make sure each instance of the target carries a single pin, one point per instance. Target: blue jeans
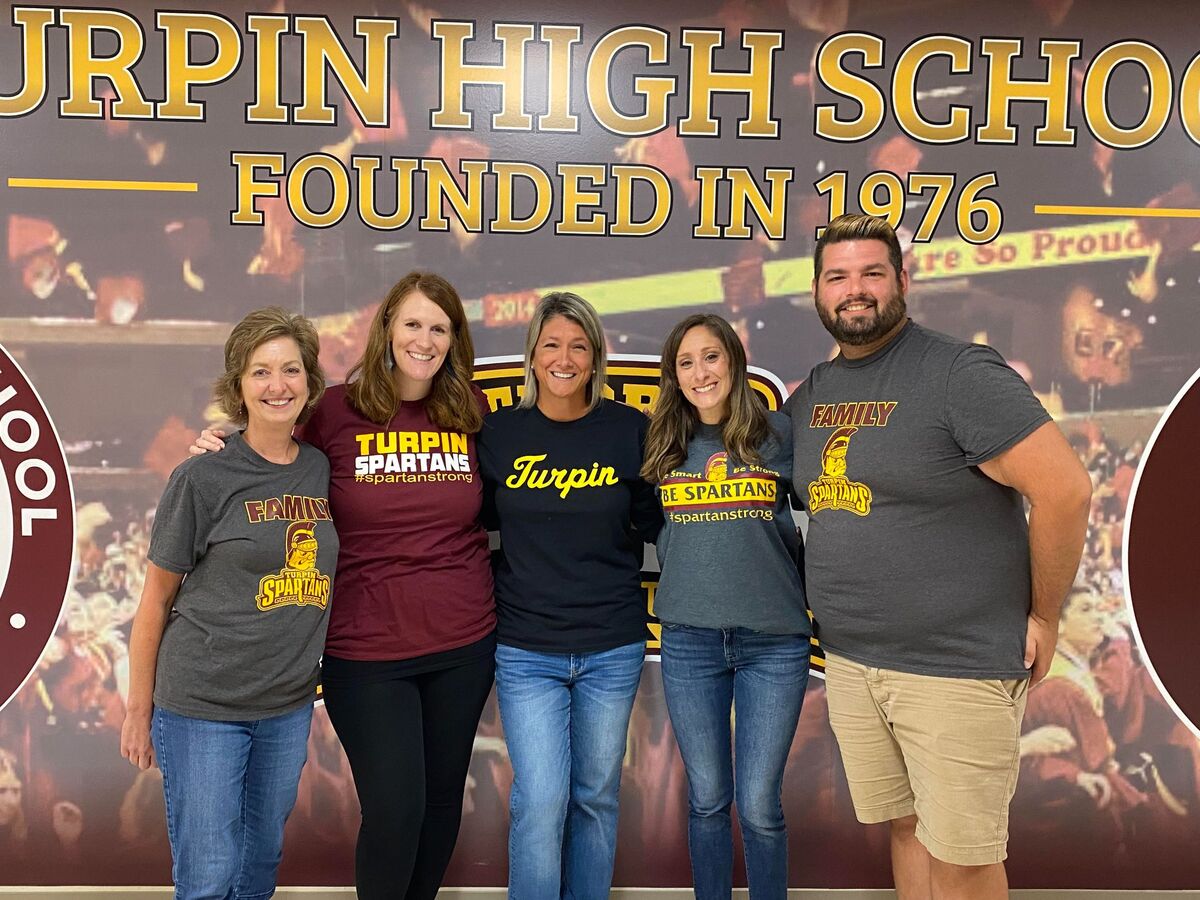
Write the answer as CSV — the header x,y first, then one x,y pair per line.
x,y
229,788
565,717
705,672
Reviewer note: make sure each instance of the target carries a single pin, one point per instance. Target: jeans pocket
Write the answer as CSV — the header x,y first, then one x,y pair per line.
x,y
1010,689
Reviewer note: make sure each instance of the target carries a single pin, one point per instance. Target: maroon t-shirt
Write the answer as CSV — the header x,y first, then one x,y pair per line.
x,y
414,574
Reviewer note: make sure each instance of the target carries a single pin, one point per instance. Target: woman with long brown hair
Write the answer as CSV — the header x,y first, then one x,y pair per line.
x,y
735,630
411,648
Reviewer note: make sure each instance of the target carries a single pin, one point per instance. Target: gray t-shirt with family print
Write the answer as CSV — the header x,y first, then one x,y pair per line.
x,y
915,559
257,549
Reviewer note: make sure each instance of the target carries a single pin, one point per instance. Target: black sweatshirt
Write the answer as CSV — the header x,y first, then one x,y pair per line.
x,y
573,514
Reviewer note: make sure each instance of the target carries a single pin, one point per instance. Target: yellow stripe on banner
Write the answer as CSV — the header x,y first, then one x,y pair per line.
x,y
100,184
1136,211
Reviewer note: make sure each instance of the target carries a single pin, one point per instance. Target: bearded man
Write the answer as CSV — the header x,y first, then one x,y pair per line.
x,y
935,601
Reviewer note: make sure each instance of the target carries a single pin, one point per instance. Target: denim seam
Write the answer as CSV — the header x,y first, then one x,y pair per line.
x,y
241,873
163,765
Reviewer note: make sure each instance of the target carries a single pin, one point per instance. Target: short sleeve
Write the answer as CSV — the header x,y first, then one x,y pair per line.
x,y
784,447
792,403
181,526
313,429
989,407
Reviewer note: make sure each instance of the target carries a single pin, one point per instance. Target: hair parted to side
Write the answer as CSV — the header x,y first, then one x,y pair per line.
x,y
852,227
370,384
248,335
674,419
575,309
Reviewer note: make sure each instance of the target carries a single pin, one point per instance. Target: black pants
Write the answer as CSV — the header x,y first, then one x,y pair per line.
x,y
408,738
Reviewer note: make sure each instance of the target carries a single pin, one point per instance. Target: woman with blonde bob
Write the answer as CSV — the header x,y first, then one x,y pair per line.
x,y
561,472
735,631
226,643
410,654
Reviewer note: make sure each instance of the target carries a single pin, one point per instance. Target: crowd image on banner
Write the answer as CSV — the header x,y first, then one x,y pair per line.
x,y
117,306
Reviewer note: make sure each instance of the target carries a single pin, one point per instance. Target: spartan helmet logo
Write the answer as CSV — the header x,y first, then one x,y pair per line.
x,y
833,456
301,545
717,467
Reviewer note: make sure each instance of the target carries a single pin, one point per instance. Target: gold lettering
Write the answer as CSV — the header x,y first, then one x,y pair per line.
x,y
653,91
250,188
33,22
757,83
367,93
834,77
181,72
509,74
1053,92
442,189
1159,92
84,68
904,90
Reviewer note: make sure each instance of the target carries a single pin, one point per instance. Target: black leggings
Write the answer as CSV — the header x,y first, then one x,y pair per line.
x,y
408,739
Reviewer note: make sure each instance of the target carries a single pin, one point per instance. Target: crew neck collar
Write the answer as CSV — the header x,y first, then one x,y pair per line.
x,y
883,351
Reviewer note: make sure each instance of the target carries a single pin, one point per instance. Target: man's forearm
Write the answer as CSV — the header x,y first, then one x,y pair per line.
x,y
1056,533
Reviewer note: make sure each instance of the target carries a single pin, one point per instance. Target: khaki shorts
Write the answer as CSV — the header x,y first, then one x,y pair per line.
x,y
944,749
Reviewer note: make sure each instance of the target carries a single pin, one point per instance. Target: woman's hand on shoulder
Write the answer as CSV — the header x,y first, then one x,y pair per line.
x,y
210,440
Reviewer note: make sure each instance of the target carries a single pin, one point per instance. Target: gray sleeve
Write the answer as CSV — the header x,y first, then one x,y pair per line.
x,y
789,405
181,526
989,407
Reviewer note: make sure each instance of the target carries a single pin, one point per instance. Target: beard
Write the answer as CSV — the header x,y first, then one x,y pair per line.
x,y
864,329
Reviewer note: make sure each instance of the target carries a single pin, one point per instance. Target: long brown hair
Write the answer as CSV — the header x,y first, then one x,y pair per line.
x,y
674,420
371,385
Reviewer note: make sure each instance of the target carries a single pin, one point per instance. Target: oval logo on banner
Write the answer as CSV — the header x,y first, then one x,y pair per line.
x,y
37,527
1162,557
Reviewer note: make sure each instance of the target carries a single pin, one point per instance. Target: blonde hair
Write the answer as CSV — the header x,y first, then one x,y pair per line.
x,y
370,384
248,335
852,227
575,309
674,420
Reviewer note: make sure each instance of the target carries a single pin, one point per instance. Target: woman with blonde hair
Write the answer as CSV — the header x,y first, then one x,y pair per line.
x,y
410,653
226,642
735,631
561,472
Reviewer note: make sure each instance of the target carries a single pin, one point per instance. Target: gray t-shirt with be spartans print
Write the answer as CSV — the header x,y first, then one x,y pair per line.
x,y
914,559
257,549
728,549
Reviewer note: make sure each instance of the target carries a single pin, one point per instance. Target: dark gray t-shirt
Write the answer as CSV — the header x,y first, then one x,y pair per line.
x,y
916,560
257,549
728,549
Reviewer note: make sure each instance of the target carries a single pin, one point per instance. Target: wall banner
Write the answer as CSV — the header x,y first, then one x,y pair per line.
x,y
165,169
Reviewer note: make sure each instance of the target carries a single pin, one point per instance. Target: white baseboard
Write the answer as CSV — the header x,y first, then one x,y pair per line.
x,y
327,893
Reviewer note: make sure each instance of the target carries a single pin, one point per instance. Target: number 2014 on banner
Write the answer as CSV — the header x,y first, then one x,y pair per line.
x,y
978,218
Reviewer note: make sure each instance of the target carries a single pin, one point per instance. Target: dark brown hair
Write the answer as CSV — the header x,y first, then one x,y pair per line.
x,y
858,228
674,420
